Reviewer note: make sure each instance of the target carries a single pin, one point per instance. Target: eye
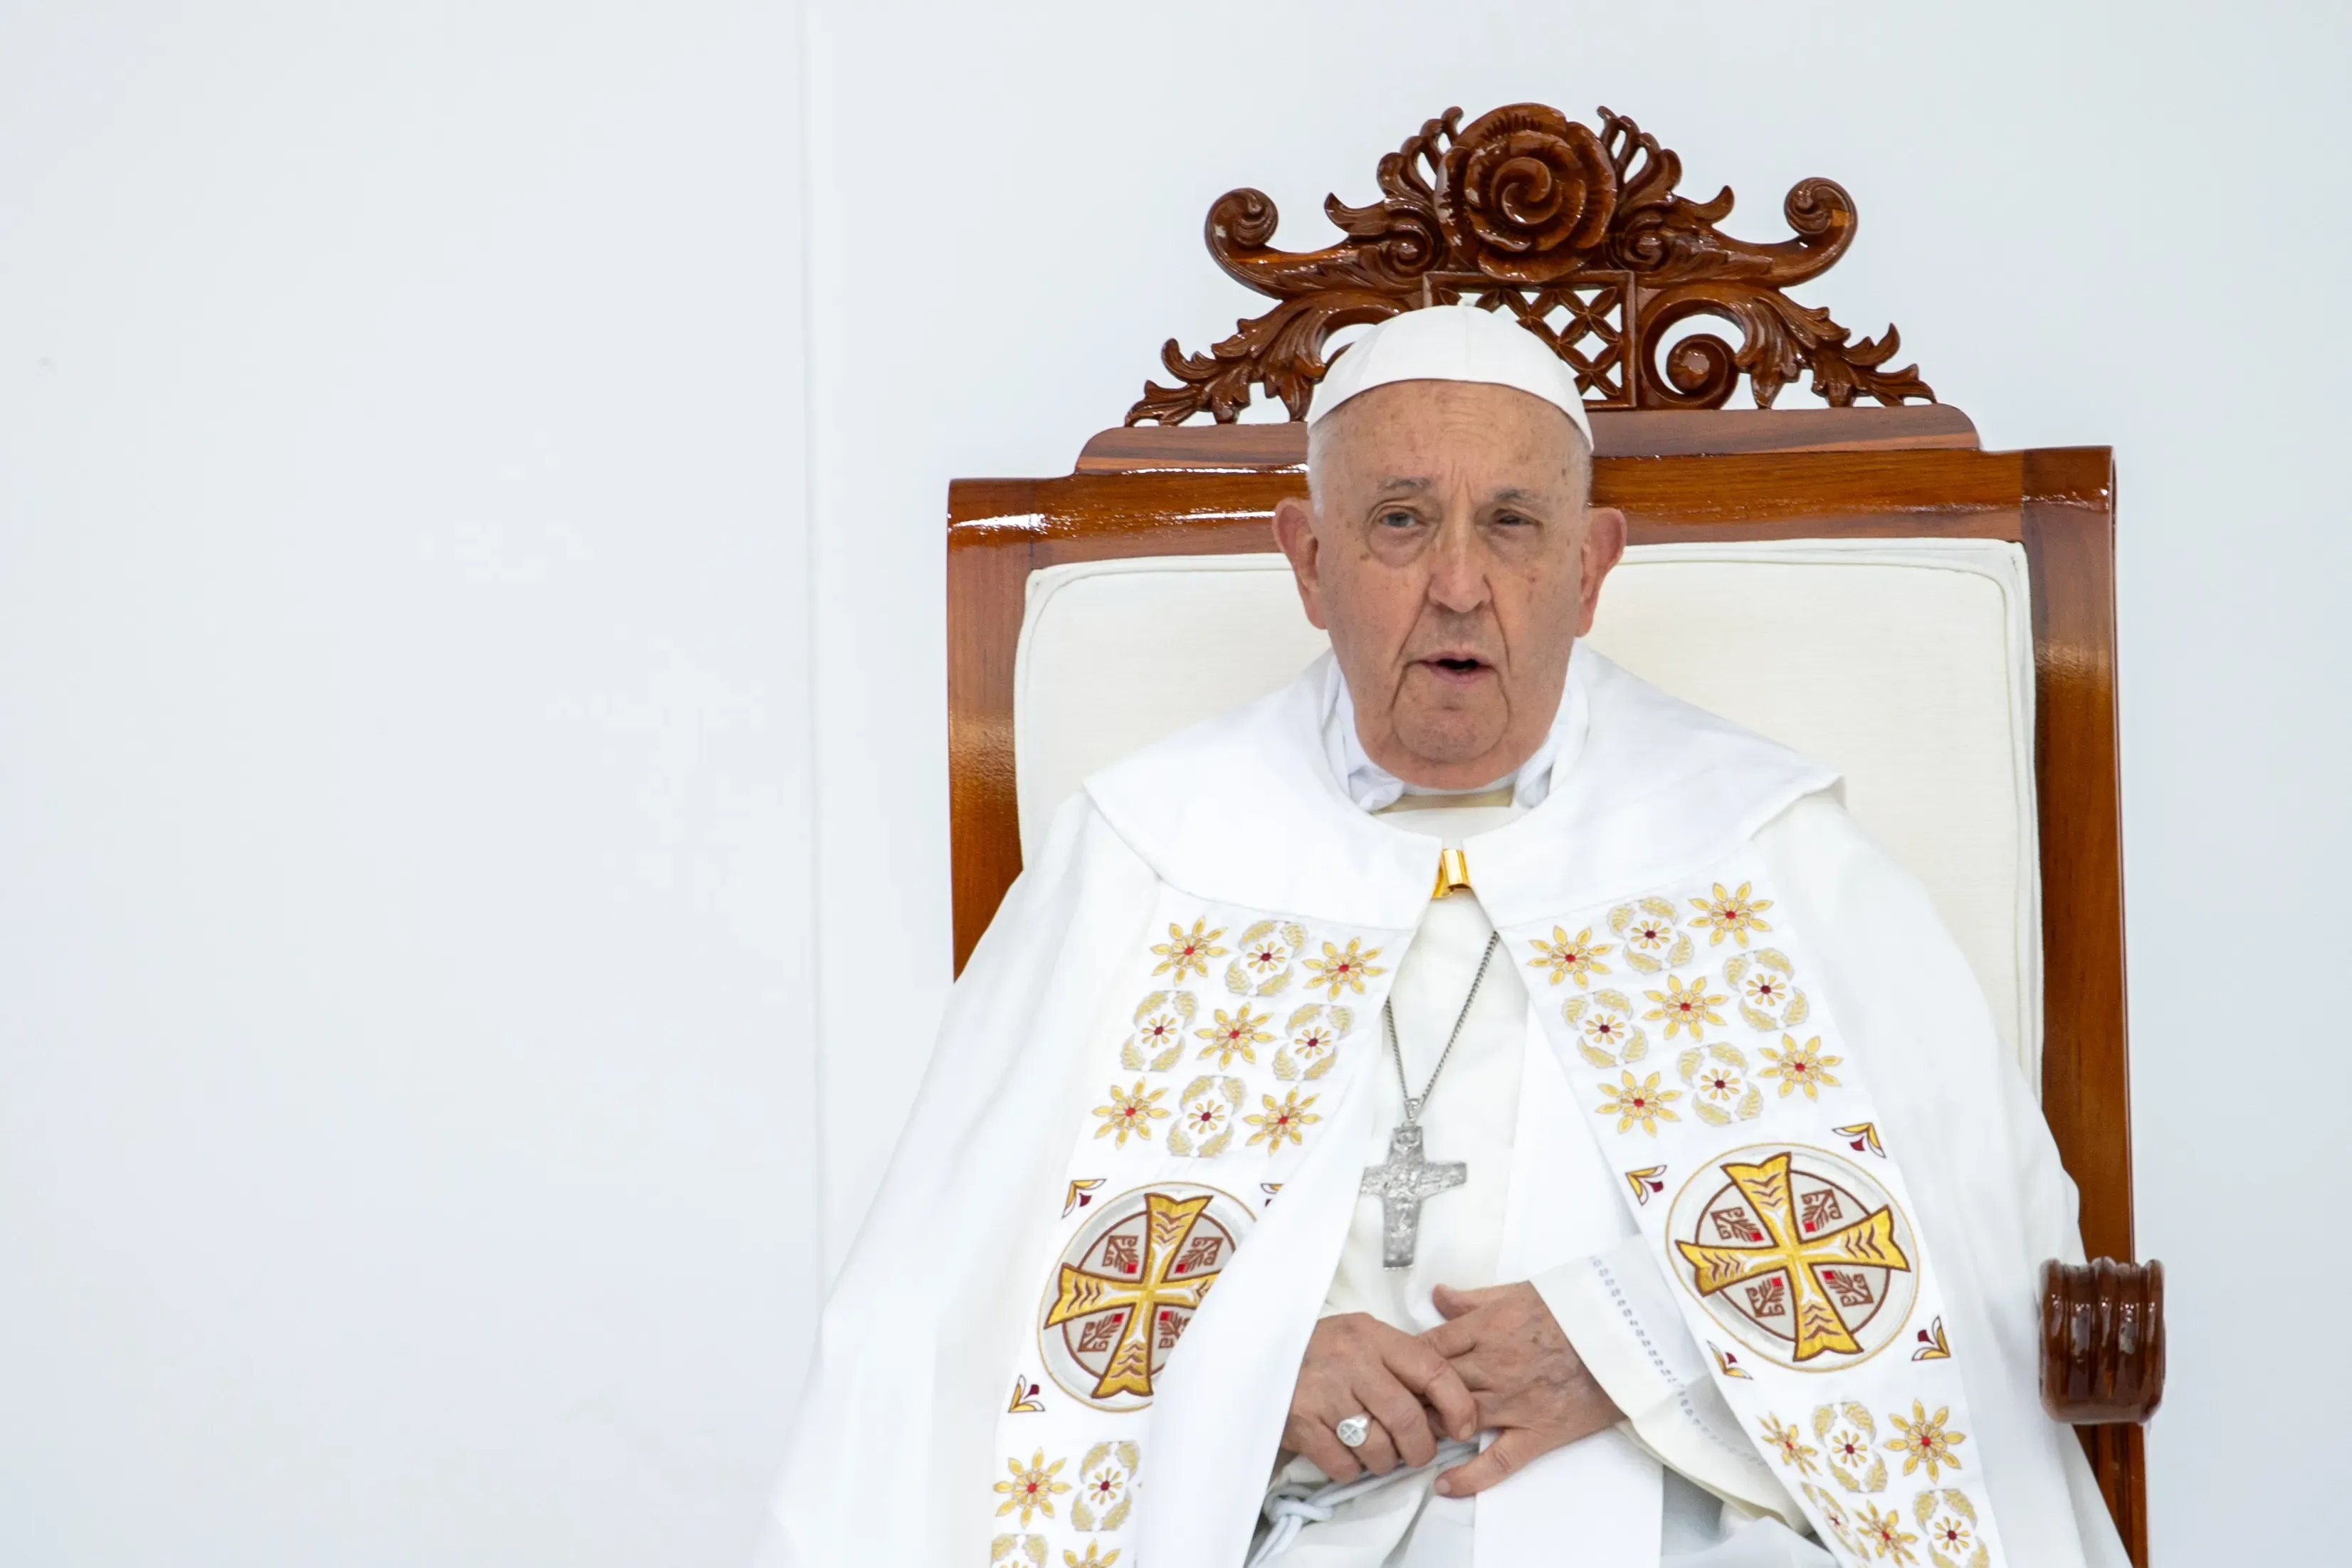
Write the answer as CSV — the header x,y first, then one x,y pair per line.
x,y
1513,519
1397,520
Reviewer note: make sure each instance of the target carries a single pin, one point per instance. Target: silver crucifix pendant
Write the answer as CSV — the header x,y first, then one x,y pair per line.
x,y
1402,1182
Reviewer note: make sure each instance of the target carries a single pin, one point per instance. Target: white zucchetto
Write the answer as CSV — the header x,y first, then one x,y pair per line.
x,y
1454,343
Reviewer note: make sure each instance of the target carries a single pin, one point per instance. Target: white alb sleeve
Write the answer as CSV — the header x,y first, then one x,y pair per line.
x,y
1616,1310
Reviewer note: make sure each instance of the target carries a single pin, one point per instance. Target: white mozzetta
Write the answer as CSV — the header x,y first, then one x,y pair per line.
x,y
1904,664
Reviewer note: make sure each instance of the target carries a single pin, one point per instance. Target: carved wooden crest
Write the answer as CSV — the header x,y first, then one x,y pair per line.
x,y
1579,234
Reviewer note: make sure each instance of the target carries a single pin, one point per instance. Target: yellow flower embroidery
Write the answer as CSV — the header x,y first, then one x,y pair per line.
x,y
1344,971
1309,1043
1282,1122
1924,1441
1188,953
1947,1520
1158,1031
1033,1487
1240,1034
1791,1444
1648,933
1717,1083
1264,958
1576,957
1645,1103
1206,1117
1849,1449
1800,1066
1129,1111
1885,1531
1685,1009
1607,1031
1731,913
1072,1560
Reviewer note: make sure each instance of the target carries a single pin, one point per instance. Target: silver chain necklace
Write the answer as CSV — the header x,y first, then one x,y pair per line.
x,y
1406,1179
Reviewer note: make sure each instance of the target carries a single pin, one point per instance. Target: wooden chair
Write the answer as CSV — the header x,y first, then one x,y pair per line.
x,y
1581,236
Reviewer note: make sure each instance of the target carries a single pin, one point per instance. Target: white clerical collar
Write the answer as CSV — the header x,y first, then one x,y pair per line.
x,y
1374,788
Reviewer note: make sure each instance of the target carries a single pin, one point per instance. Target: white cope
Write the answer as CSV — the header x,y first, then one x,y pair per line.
x,y
1677,1420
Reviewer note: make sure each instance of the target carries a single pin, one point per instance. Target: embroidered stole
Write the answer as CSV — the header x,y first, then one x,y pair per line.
x,y
1718,1088
1738,1120
1241,1030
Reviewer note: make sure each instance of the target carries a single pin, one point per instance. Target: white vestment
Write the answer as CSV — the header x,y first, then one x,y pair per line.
x,y
908,1450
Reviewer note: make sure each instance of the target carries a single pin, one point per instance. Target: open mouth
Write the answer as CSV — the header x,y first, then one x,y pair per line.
x,y
1456,667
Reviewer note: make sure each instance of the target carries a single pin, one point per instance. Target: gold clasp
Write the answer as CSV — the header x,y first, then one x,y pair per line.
x,y
1452,873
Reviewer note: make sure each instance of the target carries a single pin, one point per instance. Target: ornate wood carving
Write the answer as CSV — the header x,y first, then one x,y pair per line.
x,y
1579,234
2102,1340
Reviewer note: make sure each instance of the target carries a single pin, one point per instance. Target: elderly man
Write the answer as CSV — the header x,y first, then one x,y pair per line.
x,y
1466,1107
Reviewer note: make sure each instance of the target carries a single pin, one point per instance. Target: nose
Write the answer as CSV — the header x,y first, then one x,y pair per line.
x,y
1458,572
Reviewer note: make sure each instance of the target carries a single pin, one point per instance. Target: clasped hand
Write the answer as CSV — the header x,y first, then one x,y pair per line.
x,y
1499,1361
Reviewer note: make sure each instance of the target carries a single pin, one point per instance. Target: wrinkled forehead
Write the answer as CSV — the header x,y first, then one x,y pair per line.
x,y
1430,433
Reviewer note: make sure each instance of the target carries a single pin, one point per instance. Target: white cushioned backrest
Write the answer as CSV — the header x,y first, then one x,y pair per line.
x,y
1907,665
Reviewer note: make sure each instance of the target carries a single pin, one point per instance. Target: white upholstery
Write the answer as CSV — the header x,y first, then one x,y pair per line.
x,y
1904,664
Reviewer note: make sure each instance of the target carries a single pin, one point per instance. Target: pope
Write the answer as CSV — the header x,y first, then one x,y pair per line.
x,y
1467,1107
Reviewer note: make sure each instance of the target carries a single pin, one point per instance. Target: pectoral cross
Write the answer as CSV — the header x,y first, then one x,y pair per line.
x,y
1402,1182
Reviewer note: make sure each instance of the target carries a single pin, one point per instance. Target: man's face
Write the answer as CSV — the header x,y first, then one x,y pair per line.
x,y
1448,551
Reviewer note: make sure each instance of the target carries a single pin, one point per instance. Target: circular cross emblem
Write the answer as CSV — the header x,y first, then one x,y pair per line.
x,y
1128,1285
1799,1253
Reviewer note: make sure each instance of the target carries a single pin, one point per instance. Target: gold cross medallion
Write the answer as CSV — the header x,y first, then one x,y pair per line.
x,y
1797,1252
1128,1284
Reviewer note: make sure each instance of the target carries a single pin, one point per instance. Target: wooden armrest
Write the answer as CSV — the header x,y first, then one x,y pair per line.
x,y
2102,1340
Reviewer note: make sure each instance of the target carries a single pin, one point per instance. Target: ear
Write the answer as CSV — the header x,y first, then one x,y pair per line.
x,y
1293,532
1604,546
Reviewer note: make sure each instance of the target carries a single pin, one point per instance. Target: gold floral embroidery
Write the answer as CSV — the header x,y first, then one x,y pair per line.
x,y
1607,1036
1768,997
1239,1035
1847,1433
1924,1441
1032,1489
1731,913
1029,1549
1072,1560
1108,1495
1188,953
1576,957
1841,1526
1645,1103
1652,942
1800,1066
1262,968
1161,1020
1885,1531
1282,1122
1720,1091
1344,970
1791,1444
1314,1033
1129,1111
1206,1127
1951,1523
1679,1009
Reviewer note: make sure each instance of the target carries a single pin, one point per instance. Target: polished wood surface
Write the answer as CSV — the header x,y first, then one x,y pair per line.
x,y
2102,1340
1579,233
2102,1368
1628,433
2059,504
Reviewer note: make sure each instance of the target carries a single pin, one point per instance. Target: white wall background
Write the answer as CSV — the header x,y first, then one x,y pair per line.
x,y
472,855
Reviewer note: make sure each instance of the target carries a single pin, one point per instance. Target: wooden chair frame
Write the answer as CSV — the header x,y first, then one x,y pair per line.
x,y
1213,491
